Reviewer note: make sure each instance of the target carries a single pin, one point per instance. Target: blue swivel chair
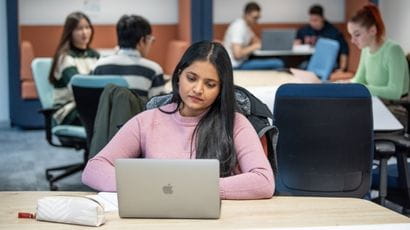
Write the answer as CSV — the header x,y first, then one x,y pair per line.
x,y
323,61
67,136
87,90
325,143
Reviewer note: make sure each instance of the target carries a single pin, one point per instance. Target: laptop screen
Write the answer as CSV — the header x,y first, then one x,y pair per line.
x,y
278,39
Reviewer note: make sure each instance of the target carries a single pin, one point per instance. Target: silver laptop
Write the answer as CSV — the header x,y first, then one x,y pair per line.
x,y
278,39
168,188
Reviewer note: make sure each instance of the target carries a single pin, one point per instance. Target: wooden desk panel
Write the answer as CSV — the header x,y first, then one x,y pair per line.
x,y
275,212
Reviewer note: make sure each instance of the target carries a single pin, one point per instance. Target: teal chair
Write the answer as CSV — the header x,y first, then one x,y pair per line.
x,y
67,136
323,61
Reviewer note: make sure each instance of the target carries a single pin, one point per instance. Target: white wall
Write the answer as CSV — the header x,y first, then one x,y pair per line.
x,y
53,12
396,15
279,11
4,83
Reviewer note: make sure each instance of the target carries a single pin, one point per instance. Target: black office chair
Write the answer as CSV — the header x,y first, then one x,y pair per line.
x,y
68,136
393,181
87,90
325,146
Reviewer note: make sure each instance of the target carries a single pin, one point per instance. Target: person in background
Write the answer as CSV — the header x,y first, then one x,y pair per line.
x,y
240,42
201,122
73,56
319,27
383,68
135,38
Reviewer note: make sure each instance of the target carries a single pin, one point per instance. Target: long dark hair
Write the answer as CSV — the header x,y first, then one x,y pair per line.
x,y
370,16
214,132
66,40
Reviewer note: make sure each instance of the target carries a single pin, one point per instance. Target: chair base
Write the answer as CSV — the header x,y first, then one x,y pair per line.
x,y
67,171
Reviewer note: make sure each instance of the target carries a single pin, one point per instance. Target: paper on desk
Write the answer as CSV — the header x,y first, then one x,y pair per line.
x,y
301,48
107,199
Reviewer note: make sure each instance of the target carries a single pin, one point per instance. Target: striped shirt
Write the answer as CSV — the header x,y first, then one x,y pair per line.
x,y
75,61
143,76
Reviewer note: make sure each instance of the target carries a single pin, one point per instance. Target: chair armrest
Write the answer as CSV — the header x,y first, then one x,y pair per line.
x,y
384,149
48,118
403,102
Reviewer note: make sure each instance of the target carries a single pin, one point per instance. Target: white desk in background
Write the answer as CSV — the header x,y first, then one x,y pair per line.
x,y
263,84
383,119
269,53
295,51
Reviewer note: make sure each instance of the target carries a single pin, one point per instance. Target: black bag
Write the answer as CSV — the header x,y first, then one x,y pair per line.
x,y
258,115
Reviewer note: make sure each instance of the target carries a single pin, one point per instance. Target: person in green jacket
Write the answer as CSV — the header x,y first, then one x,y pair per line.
x,y
383,68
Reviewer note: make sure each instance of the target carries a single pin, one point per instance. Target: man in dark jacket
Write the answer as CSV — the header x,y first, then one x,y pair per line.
x,y
319,27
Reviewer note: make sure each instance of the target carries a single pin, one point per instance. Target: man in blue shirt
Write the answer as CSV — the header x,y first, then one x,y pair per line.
x,y
319,27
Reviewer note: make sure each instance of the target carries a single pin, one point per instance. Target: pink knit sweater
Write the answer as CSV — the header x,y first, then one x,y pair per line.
x,y
154,134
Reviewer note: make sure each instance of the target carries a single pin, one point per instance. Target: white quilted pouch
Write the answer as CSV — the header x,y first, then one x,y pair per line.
x,y
71,210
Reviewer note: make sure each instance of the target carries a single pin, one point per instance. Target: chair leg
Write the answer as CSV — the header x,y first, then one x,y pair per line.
x,y
404,179
66,167
68,172
383,181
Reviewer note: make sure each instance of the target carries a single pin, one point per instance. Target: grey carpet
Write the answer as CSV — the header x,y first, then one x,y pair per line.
x,y
24,156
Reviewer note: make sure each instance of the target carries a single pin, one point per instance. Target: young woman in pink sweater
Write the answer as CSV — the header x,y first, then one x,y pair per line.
x,y
201,122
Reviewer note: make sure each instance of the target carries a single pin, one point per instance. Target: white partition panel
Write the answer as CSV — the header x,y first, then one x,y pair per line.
x,y
53,12
396,15
279,11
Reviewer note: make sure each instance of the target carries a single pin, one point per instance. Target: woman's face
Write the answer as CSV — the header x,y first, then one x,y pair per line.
x,y
361,36
82,34
199,86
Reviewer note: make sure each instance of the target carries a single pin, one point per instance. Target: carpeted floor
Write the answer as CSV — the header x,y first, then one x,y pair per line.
x,y
24,156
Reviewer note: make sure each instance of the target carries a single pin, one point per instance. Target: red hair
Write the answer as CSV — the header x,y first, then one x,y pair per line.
x,y
370,16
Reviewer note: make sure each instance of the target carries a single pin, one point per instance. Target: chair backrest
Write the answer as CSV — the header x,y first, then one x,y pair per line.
x,y
325,145
324,59
26,58
87,90
41,69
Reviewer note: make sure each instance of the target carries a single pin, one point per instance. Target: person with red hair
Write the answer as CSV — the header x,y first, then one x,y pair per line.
x,y
383,68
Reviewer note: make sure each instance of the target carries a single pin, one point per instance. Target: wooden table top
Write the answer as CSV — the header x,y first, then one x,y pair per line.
x,y
277,212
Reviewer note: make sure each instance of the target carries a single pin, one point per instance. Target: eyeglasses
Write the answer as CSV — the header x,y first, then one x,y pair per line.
x,y
150,38
256,18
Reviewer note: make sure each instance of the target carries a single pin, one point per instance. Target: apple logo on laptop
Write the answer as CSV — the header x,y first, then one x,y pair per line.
x,y
167,189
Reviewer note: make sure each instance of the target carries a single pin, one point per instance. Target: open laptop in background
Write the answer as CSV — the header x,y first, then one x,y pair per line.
x,y
168,188
278,39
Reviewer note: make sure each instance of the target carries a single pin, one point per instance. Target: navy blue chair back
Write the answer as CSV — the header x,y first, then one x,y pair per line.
x,y
325,144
